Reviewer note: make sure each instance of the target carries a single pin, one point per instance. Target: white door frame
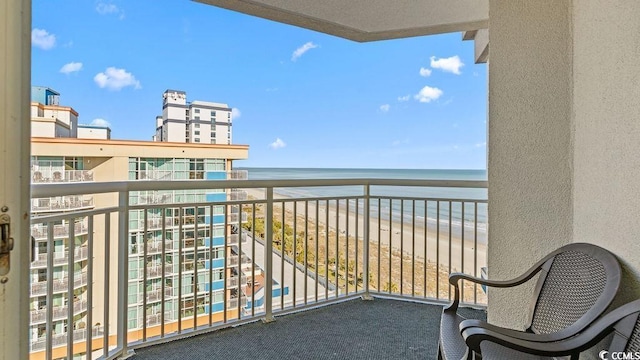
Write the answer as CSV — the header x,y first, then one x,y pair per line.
x,y
15,146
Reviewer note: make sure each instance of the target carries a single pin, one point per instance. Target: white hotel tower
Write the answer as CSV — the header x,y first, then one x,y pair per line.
x,y
192,122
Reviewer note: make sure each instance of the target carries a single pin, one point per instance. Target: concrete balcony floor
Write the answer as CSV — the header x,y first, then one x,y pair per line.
x,y
354,329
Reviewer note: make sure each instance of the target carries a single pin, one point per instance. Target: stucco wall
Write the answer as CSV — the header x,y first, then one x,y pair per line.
x,y
530,152
607,132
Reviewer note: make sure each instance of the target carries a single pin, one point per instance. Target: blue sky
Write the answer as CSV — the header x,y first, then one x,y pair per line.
x,y
302,98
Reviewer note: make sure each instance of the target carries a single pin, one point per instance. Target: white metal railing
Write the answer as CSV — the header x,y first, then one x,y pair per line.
x,y
40,231
51,175
368,237
59,284
238,175
62,203
61,257
59,312
58,340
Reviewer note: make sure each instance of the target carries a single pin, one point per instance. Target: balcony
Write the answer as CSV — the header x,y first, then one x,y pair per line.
x,y
238,175
50,175
59,285
40,231
392,240
63,203
61,258
58,312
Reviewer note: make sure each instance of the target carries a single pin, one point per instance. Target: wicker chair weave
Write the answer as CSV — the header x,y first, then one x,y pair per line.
x,y
573,285
634,341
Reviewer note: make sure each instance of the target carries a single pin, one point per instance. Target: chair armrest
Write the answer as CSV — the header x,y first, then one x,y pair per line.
x,y
623,319
515,334
474,336
454,280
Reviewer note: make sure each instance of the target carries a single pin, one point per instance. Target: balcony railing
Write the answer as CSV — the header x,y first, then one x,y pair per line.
x,y
58,284
50,175
59,312
61,257
238,175
40,231
64,203
392,238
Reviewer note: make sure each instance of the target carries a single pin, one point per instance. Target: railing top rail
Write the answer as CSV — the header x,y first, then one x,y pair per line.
x,y
62,189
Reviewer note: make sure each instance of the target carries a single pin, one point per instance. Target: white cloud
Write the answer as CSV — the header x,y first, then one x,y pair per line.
x,y
116,79
235,113
404,98
42,39
482,144
104,8
71,67
302,49
100,122
425,72
428,94
451,64
277,144
385,107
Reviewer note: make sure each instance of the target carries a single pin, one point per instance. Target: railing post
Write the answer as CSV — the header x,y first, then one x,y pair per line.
x,y
123,273
365,242
268,258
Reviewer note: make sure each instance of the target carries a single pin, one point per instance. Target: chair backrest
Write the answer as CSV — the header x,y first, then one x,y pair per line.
x,y
576,285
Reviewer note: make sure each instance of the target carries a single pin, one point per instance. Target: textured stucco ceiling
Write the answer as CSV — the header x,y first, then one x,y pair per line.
x,y
369,20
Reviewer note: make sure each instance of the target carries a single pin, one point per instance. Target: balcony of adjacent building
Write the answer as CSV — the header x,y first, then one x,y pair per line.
x,y
392,239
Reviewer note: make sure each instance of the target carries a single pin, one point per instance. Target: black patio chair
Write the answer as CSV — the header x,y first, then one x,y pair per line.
x,y
577,283
623,321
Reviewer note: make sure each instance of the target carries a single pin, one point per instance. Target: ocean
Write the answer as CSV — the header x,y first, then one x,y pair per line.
x,y
386,207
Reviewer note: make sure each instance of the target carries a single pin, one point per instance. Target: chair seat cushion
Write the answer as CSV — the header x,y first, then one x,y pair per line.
x,y
451,343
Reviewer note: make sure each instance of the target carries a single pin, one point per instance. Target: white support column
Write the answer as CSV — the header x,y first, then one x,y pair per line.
x,y
530,142
15,94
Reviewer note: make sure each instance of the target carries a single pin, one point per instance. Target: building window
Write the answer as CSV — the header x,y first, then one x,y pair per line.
x,y
213,141
196,125
228,135
213,114
213,134
196,168
196,118
196,140
197,132
197,111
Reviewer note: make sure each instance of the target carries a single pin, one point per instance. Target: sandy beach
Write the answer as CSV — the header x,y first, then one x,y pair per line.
x,y
424,249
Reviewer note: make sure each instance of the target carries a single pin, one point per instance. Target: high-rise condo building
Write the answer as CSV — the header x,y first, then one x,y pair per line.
x,y
193,122
183,257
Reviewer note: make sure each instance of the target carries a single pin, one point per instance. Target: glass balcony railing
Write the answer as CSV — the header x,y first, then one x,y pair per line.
x,y
398,238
